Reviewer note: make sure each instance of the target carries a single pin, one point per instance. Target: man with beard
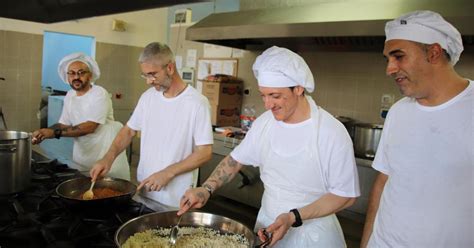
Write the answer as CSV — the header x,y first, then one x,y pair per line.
x,y
87,116
423,195
176,134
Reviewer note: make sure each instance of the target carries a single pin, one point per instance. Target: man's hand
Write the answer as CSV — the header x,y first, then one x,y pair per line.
x,y
193,198
157,180
39,135
278,228
100,169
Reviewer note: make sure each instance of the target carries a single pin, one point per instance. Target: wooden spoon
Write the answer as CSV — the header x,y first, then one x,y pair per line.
x,y
89,195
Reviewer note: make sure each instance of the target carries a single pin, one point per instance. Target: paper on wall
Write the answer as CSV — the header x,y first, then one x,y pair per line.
x,y
215,51
237,53
191,56
204,69
228,67
216,67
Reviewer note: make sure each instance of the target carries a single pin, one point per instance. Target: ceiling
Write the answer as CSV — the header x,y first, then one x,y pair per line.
x,y
51,11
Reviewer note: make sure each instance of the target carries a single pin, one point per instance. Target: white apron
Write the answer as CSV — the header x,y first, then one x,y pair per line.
x,y
88,149
303,172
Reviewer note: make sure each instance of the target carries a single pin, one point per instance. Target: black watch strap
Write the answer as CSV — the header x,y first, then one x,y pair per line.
x,y
298,221
57,133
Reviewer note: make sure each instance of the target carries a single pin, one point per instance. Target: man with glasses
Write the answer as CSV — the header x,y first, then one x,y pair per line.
x,y
87,116
176,134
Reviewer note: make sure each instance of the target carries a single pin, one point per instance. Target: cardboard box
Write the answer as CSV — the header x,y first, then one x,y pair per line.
x,y
228,115
223,93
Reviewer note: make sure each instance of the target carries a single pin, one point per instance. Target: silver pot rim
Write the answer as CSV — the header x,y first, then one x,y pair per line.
x,y
369,125
13,135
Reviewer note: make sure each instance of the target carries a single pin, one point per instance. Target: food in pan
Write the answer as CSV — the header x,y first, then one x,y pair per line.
x,y
100,193
188,237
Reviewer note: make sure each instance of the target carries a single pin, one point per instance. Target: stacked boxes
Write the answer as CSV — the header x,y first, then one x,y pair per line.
x,y
225,94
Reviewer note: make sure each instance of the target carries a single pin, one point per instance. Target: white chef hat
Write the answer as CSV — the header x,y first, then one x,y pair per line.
x,y
84,58
279,67
426,27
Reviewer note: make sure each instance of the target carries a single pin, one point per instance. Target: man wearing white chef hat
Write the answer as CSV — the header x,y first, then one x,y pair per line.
x,y
305,156
87,116
423,195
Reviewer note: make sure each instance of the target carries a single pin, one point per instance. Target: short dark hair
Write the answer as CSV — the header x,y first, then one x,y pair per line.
x,y
293,87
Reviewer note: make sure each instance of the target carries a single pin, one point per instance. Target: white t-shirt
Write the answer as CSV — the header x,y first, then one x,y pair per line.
x,y
95,106
335,150
170,128
427,153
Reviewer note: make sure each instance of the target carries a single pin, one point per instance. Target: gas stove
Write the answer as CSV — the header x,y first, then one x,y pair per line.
x,y
38,217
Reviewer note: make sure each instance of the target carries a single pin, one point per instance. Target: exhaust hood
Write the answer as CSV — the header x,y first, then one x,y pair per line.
x,y
50,11
340,26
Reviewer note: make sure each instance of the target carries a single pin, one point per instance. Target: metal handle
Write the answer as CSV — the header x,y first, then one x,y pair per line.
x,y
7,148
268,240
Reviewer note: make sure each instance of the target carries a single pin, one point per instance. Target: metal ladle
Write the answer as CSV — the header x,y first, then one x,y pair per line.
x,y
174,232
89,195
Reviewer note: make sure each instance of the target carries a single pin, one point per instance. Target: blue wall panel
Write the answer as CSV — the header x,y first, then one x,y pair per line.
x,y
55,47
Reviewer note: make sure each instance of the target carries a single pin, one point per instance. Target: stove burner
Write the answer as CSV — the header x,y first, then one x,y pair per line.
x,y
37,217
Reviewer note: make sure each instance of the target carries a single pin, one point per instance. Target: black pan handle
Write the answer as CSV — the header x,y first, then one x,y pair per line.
x,y
268,239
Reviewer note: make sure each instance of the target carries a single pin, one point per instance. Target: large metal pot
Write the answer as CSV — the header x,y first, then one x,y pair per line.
x,y
366,139
15,157
193,219
71,190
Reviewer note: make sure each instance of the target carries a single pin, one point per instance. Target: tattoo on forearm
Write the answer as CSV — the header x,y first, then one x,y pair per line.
x,y
231,162
213,181
73,128
221,175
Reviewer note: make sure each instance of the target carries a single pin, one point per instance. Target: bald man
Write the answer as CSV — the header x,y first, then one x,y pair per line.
x,y
87,116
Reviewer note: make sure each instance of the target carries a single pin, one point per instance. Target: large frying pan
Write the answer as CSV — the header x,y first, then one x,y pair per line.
x,y
71,190
192,219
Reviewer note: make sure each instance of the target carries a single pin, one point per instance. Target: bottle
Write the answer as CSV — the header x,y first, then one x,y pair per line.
x,y
247,117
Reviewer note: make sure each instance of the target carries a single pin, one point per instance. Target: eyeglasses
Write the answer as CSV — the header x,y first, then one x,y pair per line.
x,y
79,73
152,75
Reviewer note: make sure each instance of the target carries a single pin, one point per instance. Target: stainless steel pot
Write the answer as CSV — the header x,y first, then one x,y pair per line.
x,y
366,139
193,219
15,161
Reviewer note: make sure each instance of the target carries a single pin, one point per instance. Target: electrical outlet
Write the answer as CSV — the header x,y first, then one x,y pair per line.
x,y
247,91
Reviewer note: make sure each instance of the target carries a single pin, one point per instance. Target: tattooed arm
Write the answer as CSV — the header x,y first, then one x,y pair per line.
x,y
222,174
66,131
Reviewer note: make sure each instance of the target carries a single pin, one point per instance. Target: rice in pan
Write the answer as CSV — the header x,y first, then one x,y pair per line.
x,y
189,237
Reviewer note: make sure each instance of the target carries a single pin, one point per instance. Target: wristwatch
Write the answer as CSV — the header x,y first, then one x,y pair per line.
x,y
57,133
208,188
298,221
